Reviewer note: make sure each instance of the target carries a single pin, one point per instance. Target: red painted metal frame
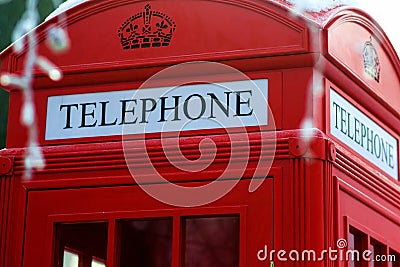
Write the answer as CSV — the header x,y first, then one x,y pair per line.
x,y
35,232
318,186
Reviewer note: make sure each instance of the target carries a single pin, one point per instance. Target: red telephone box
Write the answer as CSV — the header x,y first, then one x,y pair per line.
x,y
207,133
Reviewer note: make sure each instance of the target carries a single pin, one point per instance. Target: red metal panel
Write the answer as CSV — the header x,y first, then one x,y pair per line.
x,y
219,28
347,37
130,202
366,201
316,189
370,113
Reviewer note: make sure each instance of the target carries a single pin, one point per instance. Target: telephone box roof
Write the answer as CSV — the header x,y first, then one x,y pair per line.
x,y
204,30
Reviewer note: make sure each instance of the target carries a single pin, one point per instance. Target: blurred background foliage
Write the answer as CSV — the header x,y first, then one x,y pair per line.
x,y
10,13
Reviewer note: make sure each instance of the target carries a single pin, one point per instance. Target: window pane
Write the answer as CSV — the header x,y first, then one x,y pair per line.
x,y
352,247
84,240
145,243
394,260
211,241
372,249
358,243
70,259
97,264
378,256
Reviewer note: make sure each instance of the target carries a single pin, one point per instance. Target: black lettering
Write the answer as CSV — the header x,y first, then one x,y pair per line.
x,y
384,146
216,100
186,104
363,134
145,110
370,142
343,116
337,109
239,103
125,111
349,131
85,114
175,108
103,115
391,157
357,130
376,149
68,119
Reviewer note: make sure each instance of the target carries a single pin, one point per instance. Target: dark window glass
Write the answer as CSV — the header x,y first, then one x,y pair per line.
x,y
394,259
78,244
145,243
210,241
378,256
372,249
358,242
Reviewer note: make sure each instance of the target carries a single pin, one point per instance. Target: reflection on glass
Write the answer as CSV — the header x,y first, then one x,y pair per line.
x,y
358,243
70,259
378,253
394,260
97,264
372,249
211,241
81,244
146,243
352,247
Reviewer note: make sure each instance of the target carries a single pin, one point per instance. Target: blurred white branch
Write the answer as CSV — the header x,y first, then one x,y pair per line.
x,y
24,37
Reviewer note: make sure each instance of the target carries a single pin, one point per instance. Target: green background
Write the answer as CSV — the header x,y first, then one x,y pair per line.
x,y
10,13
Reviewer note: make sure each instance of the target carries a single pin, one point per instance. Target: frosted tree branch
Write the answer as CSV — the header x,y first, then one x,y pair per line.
x,y
315,87
24,36
318,5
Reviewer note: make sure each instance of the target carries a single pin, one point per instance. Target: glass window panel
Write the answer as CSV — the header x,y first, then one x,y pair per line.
x,y
145,243
85,240
211,241
394,260
70,259
372,249
96,263
378,257
358,243
352,247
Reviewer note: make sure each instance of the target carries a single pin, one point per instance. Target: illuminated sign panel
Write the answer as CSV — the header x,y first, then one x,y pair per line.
x,y
359,132
164,109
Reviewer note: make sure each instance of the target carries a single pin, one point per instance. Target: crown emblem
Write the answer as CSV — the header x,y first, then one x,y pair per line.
x,y
146,29
371,61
